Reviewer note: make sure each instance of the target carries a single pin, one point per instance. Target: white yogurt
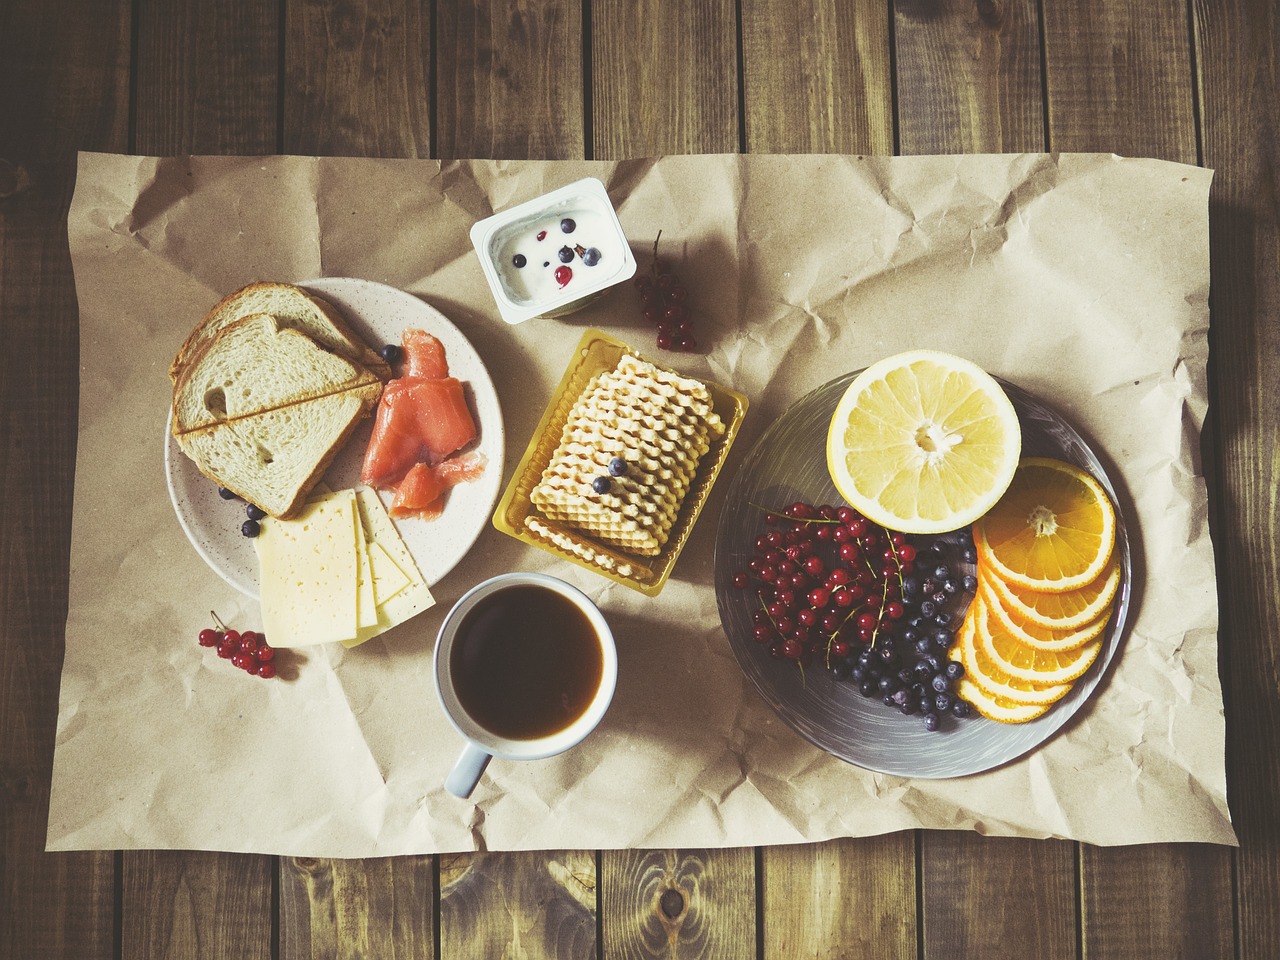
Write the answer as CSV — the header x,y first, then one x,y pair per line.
x,y
555,253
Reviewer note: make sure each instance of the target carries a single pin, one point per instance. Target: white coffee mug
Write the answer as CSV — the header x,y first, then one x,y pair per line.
x,y
466,635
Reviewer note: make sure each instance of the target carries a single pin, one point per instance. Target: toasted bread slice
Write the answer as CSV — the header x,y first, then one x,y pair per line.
x,y
255,365
293,307
274,458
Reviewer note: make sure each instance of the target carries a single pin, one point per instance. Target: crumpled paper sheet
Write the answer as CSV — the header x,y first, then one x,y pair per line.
x,y
1084,278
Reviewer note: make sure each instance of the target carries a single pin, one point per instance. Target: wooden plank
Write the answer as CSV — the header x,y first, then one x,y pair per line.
x,y
664,78
64,74
1145,901
518,905
678,903
996,897
1238,47
847,899
1119,78
817,76
188,905
510,80
357,78
207,77
357,908
969,76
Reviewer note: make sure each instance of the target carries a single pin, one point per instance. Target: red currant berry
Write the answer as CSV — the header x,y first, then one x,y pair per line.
x,y
764,634
232,637
792,648
209,637
839,648
741,580
819,597
266,670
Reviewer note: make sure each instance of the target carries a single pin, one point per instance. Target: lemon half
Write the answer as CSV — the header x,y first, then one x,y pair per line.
x,y
923,442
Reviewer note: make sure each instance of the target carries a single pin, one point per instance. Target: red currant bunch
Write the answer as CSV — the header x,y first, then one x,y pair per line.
x,y
247,650
665,304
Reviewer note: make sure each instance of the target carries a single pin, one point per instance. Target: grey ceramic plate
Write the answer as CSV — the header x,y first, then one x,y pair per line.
x,y
789,463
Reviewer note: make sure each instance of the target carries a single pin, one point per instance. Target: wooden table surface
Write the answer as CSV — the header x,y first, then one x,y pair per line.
x,y
1195,82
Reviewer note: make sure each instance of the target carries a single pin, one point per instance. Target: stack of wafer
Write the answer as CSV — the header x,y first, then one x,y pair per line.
x,y
660,424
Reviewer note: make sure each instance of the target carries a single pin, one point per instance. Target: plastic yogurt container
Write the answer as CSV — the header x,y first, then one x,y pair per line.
x,y
553,254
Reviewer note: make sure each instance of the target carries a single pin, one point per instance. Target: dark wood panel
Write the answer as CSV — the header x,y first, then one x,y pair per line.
x,y
63,87
1119,78
354,909
664,78
817,76
678,904
207,77
518,905
357,78
997,897
509,80
846,899
1158,901
186,905
1237,52
969,76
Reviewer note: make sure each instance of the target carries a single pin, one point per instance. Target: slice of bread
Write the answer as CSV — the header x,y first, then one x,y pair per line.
x,y
255,365
275,457
293,307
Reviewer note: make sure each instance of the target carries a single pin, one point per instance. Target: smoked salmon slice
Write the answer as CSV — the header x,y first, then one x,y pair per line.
x,y
419,493
422,421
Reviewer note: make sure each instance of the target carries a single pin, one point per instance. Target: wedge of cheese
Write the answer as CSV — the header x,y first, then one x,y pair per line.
x,y
337,573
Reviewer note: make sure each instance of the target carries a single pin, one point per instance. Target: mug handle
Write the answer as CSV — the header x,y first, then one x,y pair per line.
x,y
466,773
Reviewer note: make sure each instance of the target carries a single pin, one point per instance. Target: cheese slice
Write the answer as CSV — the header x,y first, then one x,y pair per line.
x,y
308,574
366,598
402,602
388,579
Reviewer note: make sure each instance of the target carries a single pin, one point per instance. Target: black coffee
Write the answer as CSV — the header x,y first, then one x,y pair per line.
x,y
526,662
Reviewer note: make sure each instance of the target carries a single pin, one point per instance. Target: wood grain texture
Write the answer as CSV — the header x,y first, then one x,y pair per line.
x,y
1159,900
63,87
678,904
509,80
847,899
1119,78
187,905
207,77
969,76
1238,55
352,909
357,78
990,898
817,76
664,78
527,905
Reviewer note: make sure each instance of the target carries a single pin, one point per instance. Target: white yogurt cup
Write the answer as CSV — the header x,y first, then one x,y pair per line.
x,y
553,254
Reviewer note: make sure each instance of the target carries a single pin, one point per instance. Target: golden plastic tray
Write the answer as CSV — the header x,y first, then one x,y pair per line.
x,y
595,353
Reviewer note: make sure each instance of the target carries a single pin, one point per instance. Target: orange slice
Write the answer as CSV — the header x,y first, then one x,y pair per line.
x,y
1034,635
1027,663
923,442
1052,531
994,682
998,708
1057,611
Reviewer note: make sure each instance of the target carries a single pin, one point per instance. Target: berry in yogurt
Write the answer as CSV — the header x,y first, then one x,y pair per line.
x,y
555,254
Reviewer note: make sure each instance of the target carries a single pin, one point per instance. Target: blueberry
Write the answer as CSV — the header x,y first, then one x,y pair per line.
x,y
923,646
950,586
867,688
254,512
888,684
960,709
601,484
565,254
943,638
969,582
617,467
928,608
943,619
591,256
941,572
568,225
969,555
390,353
910,586
931,721
518,261
907,708
250,528
900,697
943,702
940,683
888,700
955,670
226,494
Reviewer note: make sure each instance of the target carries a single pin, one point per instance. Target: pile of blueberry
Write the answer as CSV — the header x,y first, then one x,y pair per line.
x,y
255,514
870,605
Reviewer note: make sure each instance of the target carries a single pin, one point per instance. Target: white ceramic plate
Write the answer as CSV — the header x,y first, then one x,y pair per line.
x,y
378,313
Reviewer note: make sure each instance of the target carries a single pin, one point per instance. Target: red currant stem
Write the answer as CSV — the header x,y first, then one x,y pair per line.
x,y
787,516
655,251
893,548
216,619
884,601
